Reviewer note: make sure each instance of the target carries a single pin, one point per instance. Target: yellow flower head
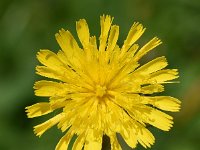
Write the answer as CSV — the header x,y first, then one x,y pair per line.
x,y
102,89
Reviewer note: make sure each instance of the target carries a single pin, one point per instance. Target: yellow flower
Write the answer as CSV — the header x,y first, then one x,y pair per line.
x,y
103,90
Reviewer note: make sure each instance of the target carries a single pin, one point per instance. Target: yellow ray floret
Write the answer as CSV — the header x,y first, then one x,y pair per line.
x,y
100,88
38,109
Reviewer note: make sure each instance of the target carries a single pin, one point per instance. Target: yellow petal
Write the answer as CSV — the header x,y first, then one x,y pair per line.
x,y
152,66
38,109
164,75
114,142
114,58
129,136
83,32
49,88
68,44
50,73
56,64
84,36
76,113
71,63
78,144
112,40
147,47
64,141
49,59
93,42
116,114
134,34
93,50
126,100
66,122
152,88
41,128
145,137
93,140
74,69
105,22
129,54
157,118
166,103
121,73
63,57
58,101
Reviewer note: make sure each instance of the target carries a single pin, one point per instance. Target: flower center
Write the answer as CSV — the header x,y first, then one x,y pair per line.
x,y
100,90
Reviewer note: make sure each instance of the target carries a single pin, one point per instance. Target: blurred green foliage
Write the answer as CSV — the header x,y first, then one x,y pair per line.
x,y
27,26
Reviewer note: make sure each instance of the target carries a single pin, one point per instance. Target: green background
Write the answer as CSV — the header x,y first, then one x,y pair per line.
x,y
27,26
